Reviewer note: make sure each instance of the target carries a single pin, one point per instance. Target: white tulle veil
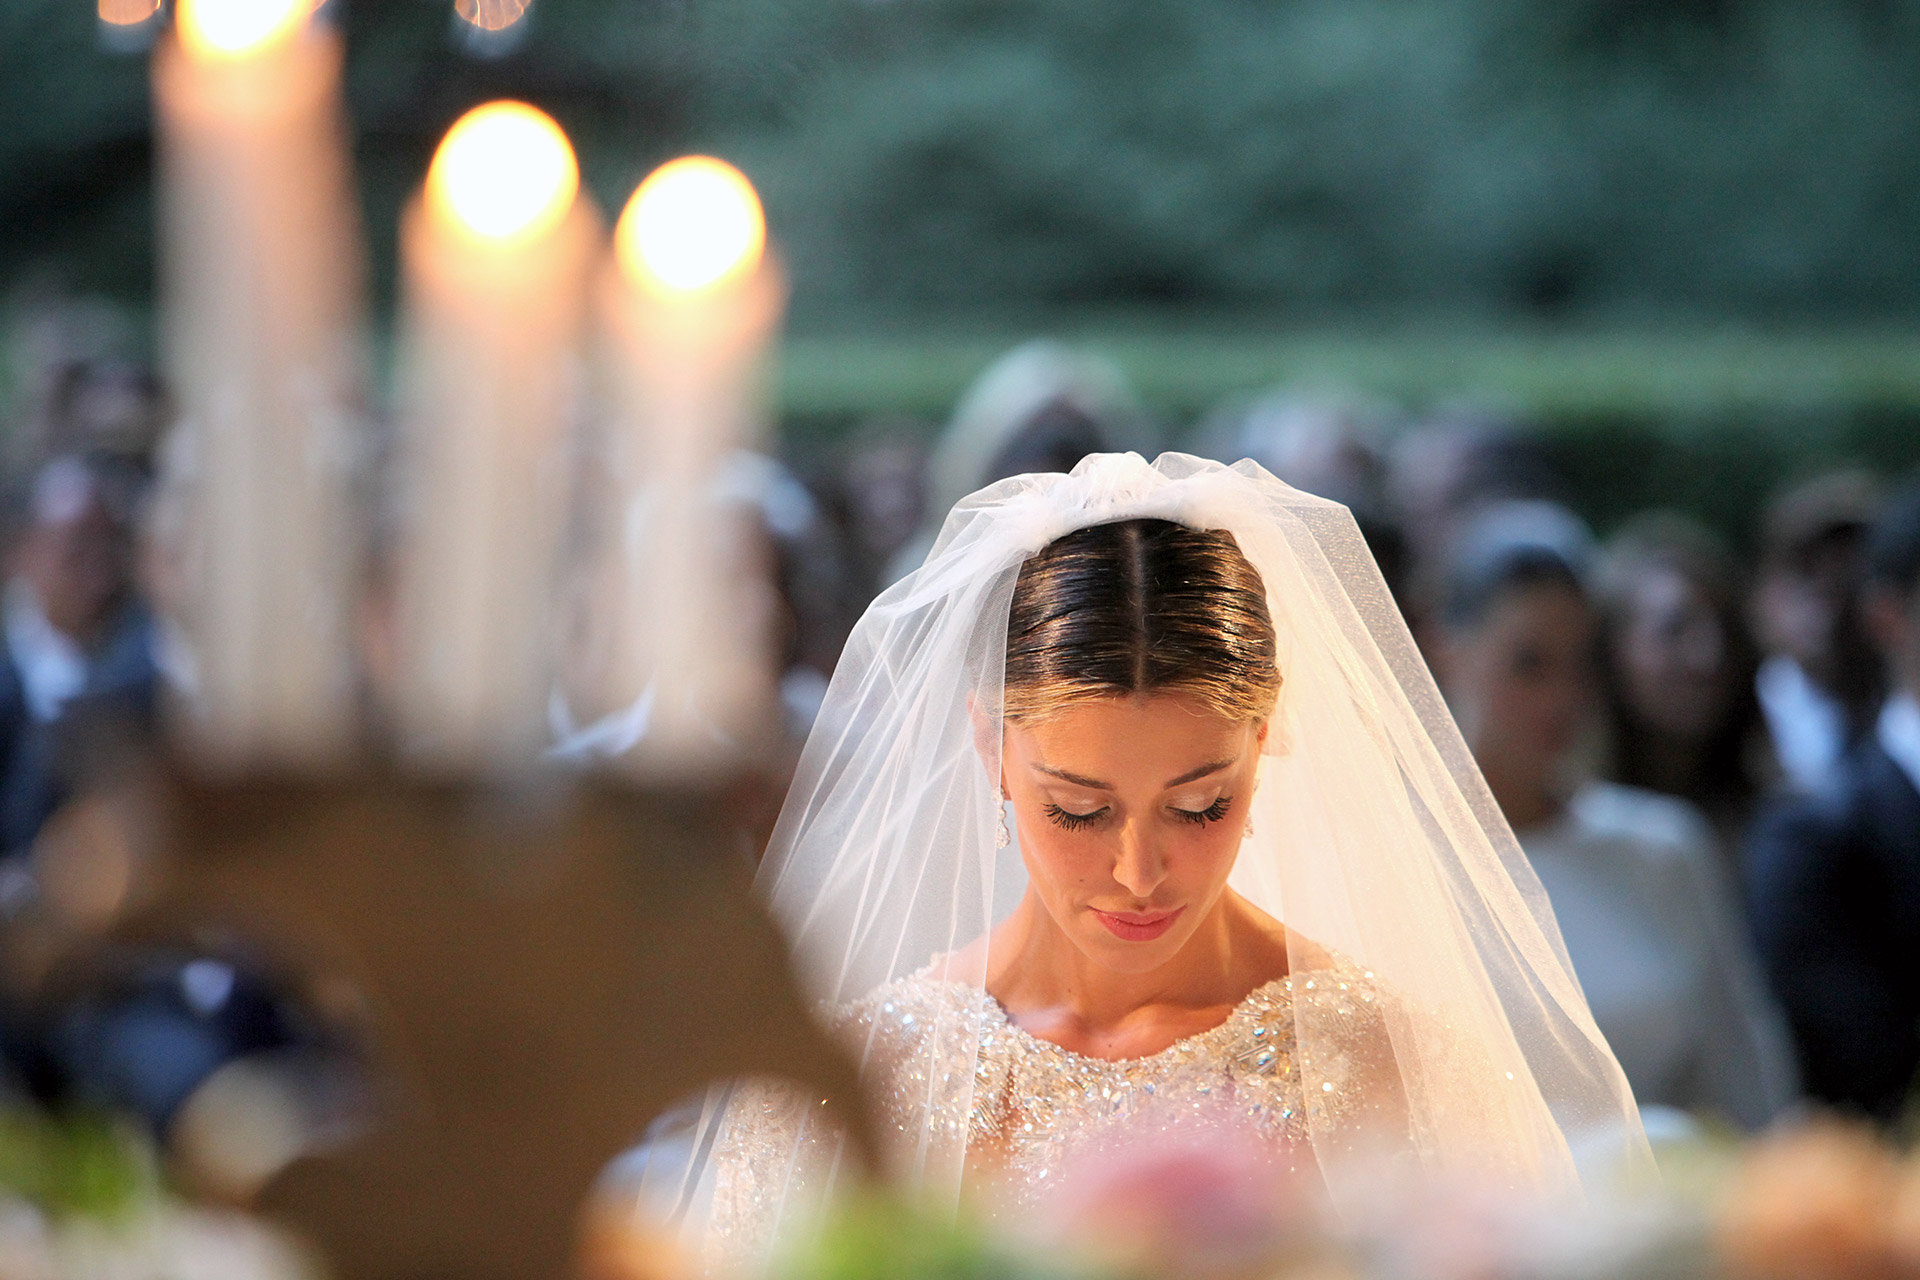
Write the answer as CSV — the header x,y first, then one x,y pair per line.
x,y
1373,833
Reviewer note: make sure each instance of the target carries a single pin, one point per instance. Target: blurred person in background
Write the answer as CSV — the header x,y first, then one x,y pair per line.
x,y
1819,682
56,349
1677,670
105,407
819,599
876,492
1833,877
1039,408
132,1031
1439,475
1441,472
1327,445
1650,924
79,640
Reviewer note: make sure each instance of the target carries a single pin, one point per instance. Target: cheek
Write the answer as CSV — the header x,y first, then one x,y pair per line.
x,y
1062,859
1511,700
1210,857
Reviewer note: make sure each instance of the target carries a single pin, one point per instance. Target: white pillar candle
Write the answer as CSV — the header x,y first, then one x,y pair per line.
x,y
496,252
690,305
261,281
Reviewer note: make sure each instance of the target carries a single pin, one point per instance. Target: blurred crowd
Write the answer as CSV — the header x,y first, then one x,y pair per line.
x,y
1711,759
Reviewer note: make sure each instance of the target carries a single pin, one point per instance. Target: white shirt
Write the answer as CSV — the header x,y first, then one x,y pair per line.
x,y
52,667
1898,730
1808,726
1656,942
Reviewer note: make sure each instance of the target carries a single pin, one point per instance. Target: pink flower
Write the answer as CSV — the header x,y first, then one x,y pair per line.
x,y
1192,1198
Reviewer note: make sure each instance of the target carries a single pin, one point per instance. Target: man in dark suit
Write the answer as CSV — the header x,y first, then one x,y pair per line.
x,y
1833,878
77,643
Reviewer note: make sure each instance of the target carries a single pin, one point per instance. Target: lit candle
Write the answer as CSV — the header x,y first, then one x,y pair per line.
x,y
496,251
261,284
690,306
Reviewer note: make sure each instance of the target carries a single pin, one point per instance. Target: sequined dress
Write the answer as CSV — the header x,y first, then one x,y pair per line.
x,y
948,1067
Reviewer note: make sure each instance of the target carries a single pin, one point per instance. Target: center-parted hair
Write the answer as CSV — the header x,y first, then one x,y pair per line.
x,y
1141,607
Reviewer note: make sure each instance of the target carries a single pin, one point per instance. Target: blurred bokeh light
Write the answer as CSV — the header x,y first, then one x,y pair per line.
x,y
693,223
224,28
491,15
505,171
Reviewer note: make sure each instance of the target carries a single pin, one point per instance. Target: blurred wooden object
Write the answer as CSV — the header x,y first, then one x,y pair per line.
x,y
537,977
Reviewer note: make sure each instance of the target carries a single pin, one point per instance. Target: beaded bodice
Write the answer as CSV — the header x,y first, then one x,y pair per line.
x,y
951,1073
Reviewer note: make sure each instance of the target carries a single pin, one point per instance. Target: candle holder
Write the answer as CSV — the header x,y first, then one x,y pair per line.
x,y
530,978
530,967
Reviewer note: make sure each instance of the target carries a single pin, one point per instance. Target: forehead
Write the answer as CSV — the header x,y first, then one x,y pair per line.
x,y
1667,587
1127,739
1538,611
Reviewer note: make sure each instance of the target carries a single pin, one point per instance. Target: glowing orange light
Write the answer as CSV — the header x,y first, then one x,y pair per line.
x,y
504,171
215,29
491,15
694,223
127,13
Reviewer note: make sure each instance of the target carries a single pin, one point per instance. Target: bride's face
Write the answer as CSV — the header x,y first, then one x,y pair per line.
x,y
1131,812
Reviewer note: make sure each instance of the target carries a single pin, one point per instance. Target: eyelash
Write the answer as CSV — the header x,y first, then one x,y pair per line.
x,y
1199,817
1212,813
1072,821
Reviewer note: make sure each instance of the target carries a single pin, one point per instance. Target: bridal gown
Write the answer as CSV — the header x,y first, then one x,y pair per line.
x,y
945,1060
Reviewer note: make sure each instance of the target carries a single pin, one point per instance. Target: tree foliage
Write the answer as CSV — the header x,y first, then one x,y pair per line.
x,y
1755,156
1758,158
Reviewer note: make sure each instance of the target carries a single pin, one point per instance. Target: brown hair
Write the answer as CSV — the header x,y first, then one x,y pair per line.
x,y
1141,607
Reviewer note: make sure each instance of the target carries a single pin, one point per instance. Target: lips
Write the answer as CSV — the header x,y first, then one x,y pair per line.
x,y
1138,926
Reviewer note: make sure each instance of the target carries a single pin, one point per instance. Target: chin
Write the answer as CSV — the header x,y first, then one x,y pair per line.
x,y
1122,956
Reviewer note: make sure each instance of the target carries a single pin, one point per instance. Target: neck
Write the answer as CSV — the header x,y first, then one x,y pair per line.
x,y
1036,966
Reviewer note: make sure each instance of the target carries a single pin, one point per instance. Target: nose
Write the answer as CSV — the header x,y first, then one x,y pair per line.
x,y
1140,867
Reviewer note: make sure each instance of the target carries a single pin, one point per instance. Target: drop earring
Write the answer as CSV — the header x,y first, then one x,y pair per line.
x,y
1248,832
1001,836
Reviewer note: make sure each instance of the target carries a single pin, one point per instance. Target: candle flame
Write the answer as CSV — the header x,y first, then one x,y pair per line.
x,y
216,29
491,15
693,224
505,171
127,13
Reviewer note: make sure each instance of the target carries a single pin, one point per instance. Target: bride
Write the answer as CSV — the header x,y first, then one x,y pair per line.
x,y
1135,808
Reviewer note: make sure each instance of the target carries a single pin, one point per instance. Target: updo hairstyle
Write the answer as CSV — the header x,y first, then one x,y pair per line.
x,y
1141,607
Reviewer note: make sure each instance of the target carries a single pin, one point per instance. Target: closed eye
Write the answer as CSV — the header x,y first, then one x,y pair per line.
x,y
1073,821
1212,813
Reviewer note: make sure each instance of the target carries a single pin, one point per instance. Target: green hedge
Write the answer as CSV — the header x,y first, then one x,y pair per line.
x,y
1549,373
1707,420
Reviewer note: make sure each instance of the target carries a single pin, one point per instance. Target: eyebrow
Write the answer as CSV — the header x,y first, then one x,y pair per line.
x,y
1078,780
